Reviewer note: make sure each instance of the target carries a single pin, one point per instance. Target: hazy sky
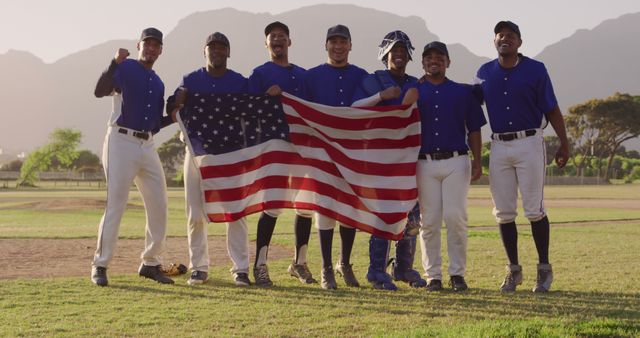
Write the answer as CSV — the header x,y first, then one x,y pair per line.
x,y
53,29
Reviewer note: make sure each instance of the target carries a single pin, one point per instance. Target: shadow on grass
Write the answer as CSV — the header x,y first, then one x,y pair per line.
x,y
479,304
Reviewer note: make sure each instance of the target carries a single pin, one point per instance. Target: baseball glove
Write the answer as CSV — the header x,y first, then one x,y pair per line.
x,y
174,269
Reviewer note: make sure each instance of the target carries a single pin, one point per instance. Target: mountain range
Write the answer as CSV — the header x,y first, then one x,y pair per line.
x,y
38,97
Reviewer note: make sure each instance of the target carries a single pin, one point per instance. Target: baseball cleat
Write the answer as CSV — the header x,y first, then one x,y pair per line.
x,y
261,275
241,279
301,271
434,285
99,276
512,279
458,283
155,273
544,279
328,279
198,277
346,271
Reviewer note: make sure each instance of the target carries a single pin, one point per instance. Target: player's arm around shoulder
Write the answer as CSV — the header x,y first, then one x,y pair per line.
x,y
105,86
175,103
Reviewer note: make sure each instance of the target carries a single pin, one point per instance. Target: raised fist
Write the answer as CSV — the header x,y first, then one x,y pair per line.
x,y
121,55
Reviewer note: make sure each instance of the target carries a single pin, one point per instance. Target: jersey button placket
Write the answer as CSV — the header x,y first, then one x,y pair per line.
x,y
506,91
340,91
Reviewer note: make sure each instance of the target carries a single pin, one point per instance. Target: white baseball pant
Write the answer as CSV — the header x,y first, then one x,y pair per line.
x,y
237,231
443,186
326,223
520,163
128,159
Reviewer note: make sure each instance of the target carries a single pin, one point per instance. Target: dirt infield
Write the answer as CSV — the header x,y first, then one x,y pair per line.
x,y
42,258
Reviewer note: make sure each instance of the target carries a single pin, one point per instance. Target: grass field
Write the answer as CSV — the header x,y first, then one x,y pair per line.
x,y
596,292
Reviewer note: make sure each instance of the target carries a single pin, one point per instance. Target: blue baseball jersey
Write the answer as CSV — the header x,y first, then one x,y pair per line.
x,y
142,96
199,81
332,86
379,81
448,112
288,78
516,98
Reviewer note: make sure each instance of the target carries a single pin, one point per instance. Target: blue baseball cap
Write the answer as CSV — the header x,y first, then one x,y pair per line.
x,y
339,30
217,37
274,25
151,33
512,26
437,45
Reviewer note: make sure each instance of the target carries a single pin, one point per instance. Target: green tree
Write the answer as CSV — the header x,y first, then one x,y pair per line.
x,y
87,161
610,121
62,146
486,153
14,165
172,153
633,154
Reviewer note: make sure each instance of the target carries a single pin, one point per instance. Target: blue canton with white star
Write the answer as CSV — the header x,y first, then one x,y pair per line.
x,y
222,123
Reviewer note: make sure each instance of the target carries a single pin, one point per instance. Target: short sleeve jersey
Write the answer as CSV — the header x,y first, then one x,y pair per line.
x,y
142,96
448,112
516,98
200,81
288,78
332,86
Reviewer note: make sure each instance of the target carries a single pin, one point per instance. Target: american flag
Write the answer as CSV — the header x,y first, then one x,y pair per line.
x,y
355,165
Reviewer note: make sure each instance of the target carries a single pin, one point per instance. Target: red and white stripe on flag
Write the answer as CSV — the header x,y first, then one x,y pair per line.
x,y
355,165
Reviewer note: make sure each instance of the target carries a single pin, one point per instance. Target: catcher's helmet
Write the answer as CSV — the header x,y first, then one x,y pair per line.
x,y
389,41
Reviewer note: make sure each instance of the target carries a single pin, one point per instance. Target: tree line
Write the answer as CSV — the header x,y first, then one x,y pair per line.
x,y
596,129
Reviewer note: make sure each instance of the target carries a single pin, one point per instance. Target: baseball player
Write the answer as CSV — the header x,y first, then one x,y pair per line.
x,y
214,77
384,88
129,154
273,77
333,83
451,120
519,97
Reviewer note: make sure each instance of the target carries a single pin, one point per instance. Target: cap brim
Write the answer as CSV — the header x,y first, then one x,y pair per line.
x,y
436,48
273,26
502,24
219,41
151,37
340,35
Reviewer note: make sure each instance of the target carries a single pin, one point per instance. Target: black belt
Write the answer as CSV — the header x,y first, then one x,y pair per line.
x,y
442,155
138,134
513,136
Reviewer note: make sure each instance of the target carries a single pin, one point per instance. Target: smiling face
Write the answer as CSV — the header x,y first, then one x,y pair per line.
x,y
216,54
278,43
398,57
338,49
435,63
149,50
507,42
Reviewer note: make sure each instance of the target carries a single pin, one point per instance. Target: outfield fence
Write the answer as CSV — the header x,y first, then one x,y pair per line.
x,y
70,178
65,178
